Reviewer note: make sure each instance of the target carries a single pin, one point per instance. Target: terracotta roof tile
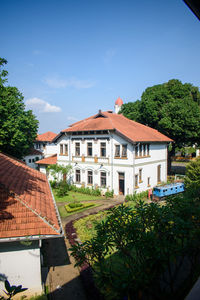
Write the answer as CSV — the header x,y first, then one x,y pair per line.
x,y
51,160
35,152
131,130
46,137
26,203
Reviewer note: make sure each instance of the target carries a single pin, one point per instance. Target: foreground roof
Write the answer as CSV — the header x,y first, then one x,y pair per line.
x,y
46,137
131,130
51,160
27,207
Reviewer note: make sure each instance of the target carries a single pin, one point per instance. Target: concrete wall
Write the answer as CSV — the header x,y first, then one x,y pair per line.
x,y
21,265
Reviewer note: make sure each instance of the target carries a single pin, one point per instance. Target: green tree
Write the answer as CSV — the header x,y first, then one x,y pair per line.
x,y
172,108
192,178
18,128
146,252
59,171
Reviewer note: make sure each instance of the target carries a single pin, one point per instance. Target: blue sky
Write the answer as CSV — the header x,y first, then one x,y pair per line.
x,y
71,58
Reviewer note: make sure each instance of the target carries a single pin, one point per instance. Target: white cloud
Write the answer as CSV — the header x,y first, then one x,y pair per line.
x,y
55,82
41,105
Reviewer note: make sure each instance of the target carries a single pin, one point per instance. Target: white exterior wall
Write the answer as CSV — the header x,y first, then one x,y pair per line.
x,y
149,165
50,149
42,169
33,159
21,266
111,165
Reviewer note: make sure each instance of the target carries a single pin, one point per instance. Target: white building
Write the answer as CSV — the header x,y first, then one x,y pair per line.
x,y
33,156
28,214
44,143
111,152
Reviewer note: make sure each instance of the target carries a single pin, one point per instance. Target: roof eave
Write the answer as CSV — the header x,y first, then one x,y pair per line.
x,y
31,238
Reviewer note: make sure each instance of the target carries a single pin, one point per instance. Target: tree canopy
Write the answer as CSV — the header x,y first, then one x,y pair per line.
x,y
146,252
18,127
173,108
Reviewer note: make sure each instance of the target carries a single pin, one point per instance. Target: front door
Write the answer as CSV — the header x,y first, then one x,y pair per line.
x,y
121,183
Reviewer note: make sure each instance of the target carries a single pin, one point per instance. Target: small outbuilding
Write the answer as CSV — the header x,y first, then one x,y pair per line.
x,y
28,214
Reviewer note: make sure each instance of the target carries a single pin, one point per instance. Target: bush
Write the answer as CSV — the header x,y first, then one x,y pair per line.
x,y
109,194
96,192
62,189
84,205
87,190
155,248
75,204
53,184
137,197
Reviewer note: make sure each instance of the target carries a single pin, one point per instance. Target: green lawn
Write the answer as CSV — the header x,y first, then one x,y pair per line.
x,y
75,196
64,213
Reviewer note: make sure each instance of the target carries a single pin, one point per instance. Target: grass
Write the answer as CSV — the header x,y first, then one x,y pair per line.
x,y
85,227
64,213
75,196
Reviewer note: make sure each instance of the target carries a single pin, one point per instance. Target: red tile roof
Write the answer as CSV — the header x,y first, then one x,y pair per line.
x,y
46,137
131,130
26,202
35,152
51,160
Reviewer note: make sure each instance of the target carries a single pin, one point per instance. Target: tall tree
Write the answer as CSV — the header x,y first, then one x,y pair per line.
x,y
172,108
18,127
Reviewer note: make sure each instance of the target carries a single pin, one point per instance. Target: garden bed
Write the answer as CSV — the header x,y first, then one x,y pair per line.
x,y
64,213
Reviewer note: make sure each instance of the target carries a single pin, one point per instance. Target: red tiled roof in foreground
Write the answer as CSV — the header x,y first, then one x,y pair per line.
x,y
51,160
131,130
26,203
46,137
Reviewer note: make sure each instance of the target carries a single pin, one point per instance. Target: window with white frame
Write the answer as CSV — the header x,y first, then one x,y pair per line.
x,y
77,149
90,177
89,149
142,150
61,149
124,150
117,150
136,151
78,176
140,175
136,181
103,149
65,149
103,179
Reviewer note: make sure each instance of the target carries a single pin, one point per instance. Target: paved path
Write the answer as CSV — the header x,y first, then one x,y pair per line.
x,y
63,278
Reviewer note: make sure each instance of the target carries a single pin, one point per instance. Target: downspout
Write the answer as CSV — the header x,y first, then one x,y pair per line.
x,y
111,160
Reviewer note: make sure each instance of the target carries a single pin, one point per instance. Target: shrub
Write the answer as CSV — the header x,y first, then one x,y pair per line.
x,y
87,190
155,248
53,183
84,205
109,194
96,192
75,204
62,189
137,197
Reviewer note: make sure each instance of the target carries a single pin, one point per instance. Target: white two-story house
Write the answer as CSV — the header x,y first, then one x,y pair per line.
x,y
111,152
